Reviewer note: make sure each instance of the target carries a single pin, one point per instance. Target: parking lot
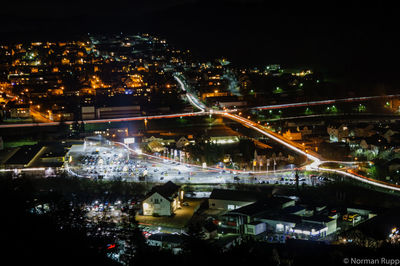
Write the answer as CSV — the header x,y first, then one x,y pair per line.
x,y
114,162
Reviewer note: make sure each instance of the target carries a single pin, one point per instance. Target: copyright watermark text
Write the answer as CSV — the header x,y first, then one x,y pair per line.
x,y
371,261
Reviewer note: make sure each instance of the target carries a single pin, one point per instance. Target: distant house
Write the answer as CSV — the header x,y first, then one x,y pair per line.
x,y
338,134
182,142
155,146
159,140
373,144
152,138
292,135
305,131
162,200
20,111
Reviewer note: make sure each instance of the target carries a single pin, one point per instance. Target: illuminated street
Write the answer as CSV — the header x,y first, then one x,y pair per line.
x,y
199,133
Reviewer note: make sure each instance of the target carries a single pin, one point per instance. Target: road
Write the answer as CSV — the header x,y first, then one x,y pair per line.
x,y
315,158
40,117
324,102
107,120
192,99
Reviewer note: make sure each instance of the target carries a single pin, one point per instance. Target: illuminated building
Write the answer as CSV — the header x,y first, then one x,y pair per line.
x,y
162,200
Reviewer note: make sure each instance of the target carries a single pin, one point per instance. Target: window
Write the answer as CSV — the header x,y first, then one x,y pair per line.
x,y
279,227
156,201
250,230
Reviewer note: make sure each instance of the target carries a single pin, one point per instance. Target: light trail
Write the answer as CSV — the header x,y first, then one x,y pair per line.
x,y
315,158
323,102
291,145
360,178
193,100
111,120
212,169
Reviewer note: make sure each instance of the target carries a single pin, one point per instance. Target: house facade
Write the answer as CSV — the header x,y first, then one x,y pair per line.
x,y
163,200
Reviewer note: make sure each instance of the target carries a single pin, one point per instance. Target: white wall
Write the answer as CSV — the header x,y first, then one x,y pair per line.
x,y
256,229
163,207
272,225
332,225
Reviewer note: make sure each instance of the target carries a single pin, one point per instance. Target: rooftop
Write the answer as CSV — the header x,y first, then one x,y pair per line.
x,y
261,206
167,190
170,238
280,216
24,155
294,209
319,218
236,195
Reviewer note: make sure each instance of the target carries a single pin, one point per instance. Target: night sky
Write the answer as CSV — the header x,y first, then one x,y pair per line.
x,y
353,39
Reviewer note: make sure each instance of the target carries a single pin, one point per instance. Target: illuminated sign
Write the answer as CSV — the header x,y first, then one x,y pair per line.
x,y
129,140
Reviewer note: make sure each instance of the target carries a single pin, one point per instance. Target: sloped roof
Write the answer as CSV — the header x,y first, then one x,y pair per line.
x,y
167,190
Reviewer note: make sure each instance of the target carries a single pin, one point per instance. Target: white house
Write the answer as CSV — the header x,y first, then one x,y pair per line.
x,y
162,200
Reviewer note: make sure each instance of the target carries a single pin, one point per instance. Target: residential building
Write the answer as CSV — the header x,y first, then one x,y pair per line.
x,y
292,135
20,111
163,200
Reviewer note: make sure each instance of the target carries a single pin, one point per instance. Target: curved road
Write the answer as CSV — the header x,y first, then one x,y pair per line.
x,y
313,156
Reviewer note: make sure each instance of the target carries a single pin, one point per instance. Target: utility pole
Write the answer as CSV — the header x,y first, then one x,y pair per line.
x,y
297,181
